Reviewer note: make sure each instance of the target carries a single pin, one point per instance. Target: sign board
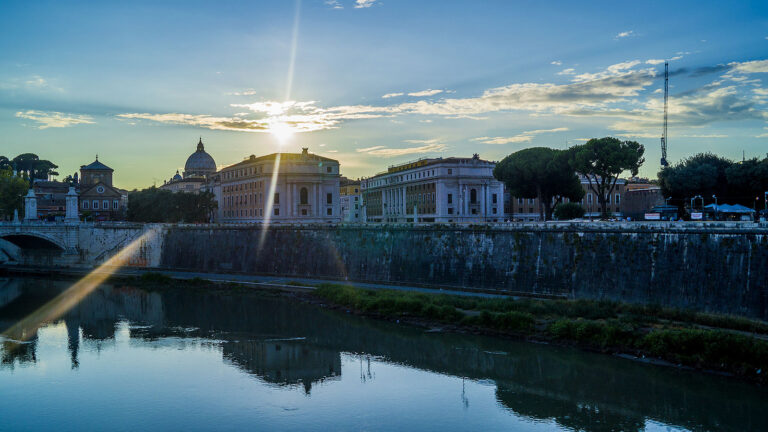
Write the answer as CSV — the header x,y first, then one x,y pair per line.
x,y
653,216
697,216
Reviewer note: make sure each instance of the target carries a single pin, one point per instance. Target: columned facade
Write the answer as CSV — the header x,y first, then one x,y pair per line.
x,y
450,190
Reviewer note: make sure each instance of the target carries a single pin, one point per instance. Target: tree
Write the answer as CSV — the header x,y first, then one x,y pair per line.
x,y
602,161
5,163
568,211
703,174
33,166
540,172
158,205
12,191
747,180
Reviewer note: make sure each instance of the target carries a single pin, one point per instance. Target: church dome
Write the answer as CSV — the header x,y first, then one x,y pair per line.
x,y
199,163
176,177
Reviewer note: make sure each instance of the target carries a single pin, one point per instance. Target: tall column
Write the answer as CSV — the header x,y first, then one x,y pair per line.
x,y
71,204
294,201
30,206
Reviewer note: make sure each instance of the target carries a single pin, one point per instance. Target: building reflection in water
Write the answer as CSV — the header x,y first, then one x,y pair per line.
x,y
285,343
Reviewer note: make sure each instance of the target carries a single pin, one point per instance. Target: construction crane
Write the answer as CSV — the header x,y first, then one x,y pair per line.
x,y
664,131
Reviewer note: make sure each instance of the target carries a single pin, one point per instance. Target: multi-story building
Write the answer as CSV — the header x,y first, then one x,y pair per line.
x,y
98,196
351,200
280,188
528,209
434,190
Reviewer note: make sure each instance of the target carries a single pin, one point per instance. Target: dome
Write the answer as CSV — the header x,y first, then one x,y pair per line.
x,y
199,163
177,177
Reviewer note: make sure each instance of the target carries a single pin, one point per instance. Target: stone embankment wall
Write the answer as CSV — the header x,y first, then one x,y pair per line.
x,y
708,267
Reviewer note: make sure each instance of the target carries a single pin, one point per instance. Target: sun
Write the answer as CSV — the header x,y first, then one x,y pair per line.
x,y
281,131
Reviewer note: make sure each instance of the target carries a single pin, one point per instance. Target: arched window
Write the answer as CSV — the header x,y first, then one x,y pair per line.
x,y
473,196
304,196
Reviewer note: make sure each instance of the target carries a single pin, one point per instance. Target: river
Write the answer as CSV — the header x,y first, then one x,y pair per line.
x,y
128,358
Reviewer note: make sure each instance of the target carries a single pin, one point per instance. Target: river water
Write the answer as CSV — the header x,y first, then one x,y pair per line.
x,y
127,358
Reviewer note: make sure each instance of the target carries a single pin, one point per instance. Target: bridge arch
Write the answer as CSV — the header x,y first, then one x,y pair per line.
x,y
33,241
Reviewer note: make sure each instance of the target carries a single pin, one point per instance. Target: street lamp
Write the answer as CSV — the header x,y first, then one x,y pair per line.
x,y
715,197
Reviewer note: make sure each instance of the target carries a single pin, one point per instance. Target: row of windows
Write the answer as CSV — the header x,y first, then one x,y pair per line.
x,y
260,212
249,171
94,205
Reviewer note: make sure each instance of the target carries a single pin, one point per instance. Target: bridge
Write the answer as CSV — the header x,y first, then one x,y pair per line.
x,y
72,244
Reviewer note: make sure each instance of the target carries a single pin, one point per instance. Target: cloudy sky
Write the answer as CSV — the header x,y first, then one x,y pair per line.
x,y
374,82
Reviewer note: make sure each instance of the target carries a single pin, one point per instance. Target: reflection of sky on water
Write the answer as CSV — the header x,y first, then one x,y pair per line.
x,y
129,359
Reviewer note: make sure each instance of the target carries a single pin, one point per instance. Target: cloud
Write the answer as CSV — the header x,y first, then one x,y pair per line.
x,y
423,141
359,4
557,63
393,152
756,66
569,71
54,119
428,92
203,120
248,92
526,136
654,61
624,34
391,95
333,4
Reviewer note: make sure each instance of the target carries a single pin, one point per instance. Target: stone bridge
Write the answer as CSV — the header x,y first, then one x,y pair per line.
x,y
74,244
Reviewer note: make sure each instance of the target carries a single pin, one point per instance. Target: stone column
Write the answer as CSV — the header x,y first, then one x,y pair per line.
x,y
30,206
71,200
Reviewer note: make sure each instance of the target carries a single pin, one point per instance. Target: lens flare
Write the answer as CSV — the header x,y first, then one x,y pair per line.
x,y
27,328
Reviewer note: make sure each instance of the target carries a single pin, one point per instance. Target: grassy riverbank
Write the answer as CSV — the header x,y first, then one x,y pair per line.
x,y
711,342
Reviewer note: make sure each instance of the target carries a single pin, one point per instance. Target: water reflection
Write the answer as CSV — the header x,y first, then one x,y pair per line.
x,y
290,345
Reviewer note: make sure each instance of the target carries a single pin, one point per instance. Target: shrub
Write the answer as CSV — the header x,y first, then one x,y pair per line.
x,y
567,211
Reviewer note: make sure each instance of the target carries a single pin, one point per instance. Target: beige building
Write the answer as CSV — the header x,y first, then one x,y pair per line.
x,y
435,190
351,200
306,189
98,196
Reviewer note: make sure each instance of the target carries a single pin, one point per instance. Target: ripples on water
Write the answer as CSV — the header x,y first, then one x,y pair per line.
x,y
131,359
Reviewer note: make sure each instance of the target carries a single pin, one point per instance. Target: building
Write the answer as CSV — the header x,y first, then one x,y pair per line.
x,y
51,199
306,189
198,170
98,197
434,190
640,198
528,209
351,200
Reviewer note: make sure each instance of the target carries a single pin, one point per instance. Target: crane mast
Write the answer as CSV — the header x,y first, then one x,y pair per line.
x,y
664,131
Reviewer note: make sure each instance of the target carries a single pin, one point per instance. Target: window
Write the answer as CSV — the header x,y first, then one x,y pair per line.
x,y
530,201
618,199
105,205
519,201
493,198
303,212
329,211
328,169
450,210
277,212
494,210
329,198
589,198
473,196
277,199
85,204
474,211
450,171
303,196
95,204
450,198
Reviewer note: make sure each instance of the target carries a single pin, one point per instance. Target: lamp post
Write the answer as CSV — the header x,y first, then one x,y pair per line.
x,y
715,197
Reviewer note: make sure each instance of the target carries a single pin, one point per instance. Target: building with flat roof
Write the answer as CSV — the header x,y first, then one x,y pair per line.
x,y
306,189
351,200
434,190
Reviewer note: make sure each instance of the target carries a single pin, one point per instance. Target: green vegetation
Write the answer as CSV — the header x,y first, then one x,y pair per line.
x,y
602,161
540,172
568,211
707,174
12,190
157,205
689,338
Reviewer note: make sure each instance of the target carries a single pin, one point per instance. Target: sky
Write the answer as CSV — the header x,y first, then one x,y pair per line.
x,y
374,83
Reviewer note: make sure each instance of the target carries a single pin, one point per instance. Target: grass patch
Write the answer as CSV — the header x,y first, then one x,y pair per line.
x,y
670,334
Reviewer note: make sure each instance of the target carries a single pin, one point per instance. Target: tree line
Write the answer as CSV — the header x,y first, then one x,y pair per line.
x,y
550,175
159,205
707,175
16,177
